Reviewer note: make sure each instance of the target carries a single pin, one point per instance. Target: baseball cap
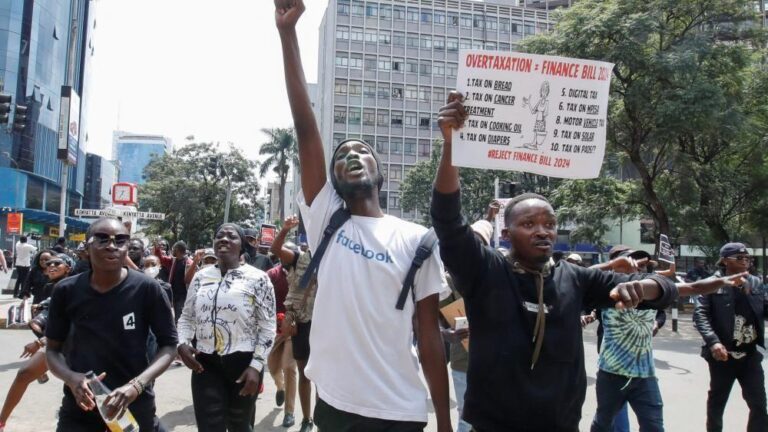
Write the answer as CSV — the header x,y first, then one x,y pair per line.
x,y
730,249
484,229
616,251
574,257
208,253
250,232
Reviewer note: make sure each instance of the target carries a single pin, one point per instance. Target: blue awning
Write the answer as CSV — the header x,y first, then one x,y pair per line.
x,y
50,218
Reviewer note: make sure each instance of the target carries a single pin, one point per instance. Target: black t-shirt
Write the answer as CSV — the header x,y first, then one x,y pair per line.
x,y
108,332
745,323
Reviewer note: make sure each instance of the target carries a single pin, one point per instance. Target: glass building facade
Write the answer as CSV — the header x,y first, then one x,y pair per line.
x,y
386,67
34,43
135,153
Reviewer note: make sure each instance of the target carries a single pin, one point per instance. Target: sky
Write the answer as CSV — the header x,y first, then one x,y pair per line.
x,y
193,67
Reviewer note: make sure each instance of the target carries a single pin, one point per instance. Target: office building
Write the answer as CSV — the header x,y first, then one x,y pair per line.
x,y
133,152
100,175
386,66
34,65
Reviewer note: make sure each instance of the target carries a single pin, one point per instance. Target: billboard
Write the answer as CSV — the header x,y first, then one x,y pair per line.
x,y
69,125
14,223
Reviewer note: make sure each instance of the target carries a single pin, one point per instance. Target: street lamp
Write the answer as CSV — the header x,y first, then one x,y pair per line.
x,y
219,166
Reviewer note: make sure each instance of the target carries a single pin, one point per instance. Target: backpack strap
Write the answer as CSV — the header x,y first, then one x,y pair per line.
x,y
339,217
426,245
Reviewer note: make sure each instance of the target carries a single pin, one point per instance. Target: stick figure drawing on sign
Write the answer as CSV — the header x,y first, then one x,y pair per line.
x,y
541,110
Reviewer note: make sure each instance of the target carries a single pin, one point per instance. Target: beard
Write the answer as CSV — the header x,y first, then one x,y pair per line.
x,y
358,190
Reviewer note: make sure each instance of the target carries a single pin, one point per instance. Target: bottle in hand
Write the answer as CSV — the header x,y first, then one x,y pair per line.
x,y
124,423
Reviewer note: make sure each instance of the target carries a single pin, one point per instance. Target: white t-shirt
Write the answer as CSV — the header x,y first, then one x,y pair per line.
x,y
24,252
362,358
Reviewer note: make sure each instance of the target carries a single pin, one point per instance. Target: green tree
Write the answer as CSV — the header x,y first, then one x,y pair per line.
x,y
477,186
679,112
282,153
187,186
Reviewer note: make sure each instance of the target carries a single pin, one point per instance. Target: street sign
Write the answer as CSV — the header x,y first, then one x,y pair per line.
x,y
118,213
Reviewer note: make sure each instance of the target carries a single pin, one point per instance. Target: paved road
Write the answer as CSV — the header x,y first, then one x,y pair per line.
x,y
682,373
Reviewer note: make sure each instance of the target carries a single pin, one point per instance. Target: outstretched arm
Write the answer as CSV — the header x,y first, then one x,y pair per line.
x,y
451,116
286,255
311,159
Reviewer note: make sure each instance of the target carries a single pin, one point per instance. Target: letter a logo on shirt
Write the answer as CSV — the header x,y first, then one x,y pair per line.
x,y
129,321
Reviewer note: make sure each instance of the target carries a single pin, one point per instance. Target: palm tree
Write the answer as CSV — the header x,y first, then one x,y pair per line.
x,y
283,153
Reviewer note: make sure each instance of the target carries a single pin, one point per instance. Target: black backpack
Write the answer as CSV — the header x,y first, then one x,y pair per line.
x,y
426,245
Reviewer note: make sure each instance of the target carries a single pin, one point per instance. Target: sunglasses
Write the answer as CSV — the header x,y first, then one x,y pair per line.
x,y
739,258
54,263
101,240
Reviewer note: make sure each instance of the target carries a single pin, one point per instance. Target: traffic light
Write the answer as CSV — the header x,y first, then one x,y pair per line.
x,y
508,189
20,118
5,107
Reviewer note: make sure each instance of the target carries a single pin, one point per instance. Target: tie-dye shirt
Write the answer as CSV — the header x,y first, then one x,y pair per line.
x,y
627,343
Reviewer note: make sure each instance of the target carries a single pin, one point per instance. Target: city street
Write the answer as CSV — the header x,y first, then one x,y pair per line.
x,y
683,377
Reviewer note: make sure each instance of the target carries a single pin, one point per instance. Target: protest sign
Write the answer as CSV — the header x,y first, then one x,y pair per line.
x,y
267,235
666,253
453,311
533,113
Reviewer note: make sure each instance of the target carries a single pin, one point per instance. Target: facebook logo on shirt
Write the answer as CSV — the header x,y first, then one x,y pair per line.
x,y
361,250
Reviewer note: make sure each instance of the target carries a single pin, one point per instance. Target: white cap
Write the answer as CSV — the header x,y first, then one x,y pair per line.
x,y
574,257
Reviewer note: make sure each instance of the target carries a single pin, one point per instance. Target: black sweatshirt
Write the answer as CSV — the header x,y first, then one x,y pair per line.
x,y
503,393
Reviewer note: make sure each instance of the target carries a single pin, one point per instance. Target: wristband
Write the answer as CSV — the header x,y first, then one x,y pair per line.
x,y
137,385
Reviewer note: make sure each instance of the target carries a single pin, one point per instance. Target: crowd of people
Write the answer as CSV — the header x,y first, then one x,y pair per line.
x,y
355,311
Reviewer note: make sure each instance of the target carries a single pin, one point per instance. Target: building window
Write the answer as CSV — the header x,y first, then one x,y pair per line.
x,y
385,37
413,15
410,119
342,33
397,92
381,148
477,44
411,92
503,46
453,19
438,69
452,44
382,118
451,70
398,39
398,65
357,8
529,29
491,23
371,36
356,61
370,63
424,121
35,194
438,95
371,10
394,200
426,17
398,12
369,89
490,45
341,60
412,66
356,34
355,88
337,138
354,116
395,146
383,91
385,64
340,87
343,9
395,172
465,43
409,147
425,68
438,42
424,94
466,21
413,40
369,117
439,17
517,27
385,12
423,147
504,26
478,22
397,118
426,42
339,115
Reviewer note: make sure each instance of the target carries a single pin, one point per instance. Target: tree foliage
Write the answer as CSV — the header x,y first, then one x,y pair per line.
x,y
282,152
687,110
188,185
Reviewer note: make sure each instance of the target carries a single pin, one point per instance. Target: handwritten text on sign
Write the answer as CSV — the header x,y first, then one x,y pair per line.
x,y
539,114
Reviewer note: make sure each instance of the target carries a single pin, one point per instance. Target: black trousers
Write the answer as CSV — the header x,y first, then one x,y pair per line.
x,y
218,406
330,419
749,372
73,419
21,276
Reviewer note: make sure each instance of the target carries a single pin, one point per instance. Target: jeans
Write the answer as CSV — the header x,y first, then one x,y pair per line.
x,y
460,387
73,419
21,276
621,421
749,372
643,394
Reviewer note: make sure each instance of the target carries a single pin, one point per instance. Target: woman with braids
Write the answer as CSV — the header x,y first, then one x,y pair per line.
x,y
57,268
37,277
230,311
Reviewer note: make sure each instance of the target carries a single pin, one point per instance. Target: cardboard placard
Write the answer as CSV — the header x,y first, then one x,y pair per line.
x,y
451,312
666,253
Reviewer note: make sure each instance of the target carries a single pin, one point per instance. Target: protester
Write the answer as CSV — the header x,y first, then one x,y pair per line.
x,y
83,264
574,258
298,311
230,312
698,272
524,314
37,278
203,258
61,245
22,257
58,267
105,316
281,364
176,266
362,362
731,321
3,262
254,256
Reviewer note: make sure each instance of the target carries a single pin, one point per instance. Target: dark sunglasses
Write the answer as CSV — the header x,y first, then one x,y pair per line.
x,y
102,240
54,263
739,258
